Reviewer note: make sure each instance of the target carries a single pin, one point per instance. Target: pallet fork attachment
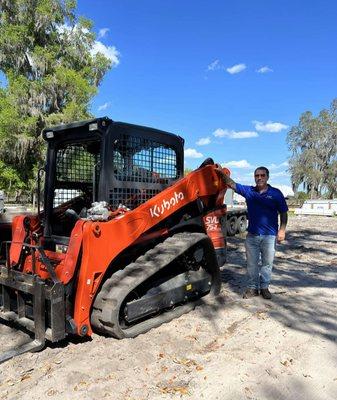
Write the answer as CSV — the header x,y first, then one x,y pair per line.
x,y
44,299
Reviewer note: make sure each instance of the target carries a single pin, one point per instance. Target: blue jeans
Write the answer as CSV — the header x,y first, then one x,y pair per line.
x,y
260,252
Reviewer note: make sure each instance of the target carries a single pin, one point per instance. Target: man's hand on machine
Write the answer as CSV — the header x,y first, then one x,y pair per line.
x,y
225,178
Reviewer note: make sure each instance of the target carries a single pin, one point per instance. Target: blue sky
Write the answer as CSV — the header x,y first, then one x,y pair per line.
x,y
230,77
235,74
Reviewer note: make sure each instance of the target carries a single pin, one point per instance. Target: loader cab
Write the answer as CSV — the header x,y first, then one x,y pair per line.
x,y
103,160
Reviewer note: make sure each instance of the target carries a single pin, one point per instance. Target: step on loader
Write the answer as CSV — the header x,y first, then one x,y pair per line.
x,y
119,244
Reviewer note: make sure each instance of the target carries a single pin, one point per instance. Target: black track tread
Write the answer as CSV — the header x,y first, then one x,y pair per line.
x,y
106,308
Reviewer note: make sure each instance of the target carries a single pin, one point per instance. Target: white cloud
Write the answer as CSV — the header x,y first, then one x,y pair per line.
x,y
247,179
264,70
203,141
285,189
279,174
237,164
98,47
234,134
235,69
102,32
276,166
192,153
269,126
109,52
272,166
214,66
104,106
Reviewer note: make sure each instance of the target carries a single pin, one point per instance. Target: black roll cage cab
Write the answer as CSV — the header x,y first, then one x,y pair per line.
x,y
104,135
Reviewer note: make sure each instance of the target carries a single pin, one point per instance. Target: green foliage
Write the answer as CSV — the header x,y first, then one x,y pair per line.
x,y
47,55
313,143
9,178
187,171
70,164
302,195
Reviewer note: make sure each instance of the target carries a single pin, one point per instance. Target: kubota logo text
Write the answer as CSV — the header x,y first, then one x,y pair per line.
x,y
159,210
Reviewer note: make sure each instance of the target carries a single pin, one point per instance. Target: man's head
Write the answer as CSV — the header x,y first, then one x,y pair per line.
x,y
261,175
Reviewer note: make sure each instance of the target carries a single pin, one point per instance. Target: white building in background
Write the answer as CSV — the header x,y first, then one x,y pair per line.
x,y
238,199
318,207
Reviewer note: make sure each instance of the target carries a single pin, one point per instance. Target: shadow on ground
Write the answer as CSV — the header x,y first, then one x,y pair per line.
x,y
304,279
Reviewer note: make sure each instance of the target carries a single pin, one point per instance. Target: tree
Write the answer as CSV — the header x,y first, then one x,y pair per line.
x,y
187,171
48,57
9,178
313,143
302,195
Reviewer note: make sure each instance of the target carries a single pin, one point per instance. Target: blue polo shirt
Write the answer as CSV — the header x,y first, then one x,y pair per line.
x,y
263,208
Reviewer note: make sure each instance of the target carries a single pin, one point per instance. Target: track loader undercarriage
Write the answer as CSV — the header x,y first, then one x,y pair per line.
x,y
162,284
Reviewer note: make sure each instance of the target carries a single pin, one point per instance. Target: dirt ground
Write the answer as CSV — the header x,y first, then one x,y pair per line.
x,y
228,348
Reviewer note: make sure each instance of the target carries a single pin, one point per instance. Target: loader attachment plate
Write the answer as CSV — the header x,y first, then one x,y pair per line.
x,y
34,345
33,304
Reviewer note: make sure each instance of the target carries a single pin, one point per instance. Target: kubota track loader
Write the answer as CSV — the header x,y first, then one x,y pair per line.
x,y
120,245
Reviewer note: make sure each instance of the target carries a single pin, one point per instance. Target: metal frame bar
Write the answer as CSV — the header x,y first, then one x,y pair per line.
x,y
19,283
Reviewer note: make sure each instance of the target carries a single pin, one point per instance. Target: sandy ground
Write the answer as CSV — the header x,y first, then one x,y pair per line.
x,y
228,348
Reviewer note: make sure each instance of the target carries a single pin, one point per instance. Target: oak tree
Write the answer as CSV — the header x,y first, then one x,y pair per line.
x,y
52,70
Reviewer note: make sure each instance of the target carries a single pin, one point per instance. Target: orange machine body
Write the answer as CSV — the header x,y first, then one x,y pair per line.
x,y
100,242
213,224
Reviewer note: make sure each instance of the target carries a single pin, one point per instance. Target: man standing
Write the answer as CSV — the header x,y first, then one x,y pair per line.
x,y
264,203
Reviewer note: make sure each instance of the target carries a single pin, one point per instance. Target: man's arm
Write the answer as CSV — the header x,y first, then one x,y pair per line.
x,y
225,178
281,234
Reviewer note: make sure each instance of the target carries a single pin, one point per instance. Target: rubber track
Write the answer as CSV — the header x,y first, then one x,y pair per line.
x,y
106,309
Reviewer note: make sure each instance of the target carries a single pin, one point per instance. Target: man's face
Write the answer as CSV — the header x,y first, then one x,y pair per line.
x,y
261,178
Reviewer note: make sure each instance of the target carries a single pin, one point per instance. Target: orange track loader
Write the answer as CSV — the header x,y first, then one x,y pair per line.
x,y
120,245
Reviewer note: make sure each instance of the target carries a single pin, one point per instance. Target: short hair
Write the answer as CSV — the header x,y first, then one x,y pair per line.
x,y
264,169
